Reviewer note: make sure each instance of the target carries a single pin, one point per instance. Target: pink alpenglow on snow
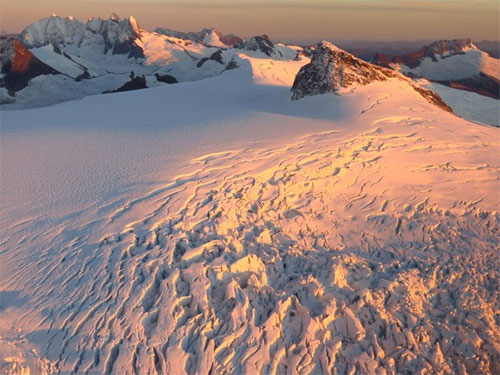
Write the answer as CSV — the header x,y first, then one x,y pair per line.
x,y
209,224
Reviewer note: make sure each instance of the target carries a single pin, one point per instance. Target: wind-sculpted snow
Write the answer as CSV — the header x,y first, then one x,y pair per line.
x,y
345,252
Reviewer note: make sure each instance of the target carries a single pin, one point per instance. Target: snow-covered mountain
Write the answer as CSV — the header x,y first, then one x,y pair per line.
x,y
332,69
457,63
100,56
70,60
219,227
210,37
19,67
114,34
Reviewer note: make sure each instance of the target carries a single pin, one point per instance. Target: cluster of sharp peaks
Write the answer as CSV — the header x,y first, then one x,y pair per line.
x,y
63,31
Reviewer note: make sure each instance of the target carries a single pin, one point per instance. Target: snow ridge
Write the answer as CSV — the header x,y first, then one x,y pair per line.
x,y
210,36
332,68
456,63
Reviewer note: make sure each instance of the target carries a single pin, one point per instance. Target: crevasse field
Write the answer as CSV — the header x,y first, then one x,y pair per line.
x,y
217,227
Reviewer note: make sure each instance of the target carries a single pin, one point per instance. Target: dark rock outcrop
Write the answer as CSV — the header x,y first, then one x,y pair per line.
x,y
232,64
135,83
121,36
432,97
216,56
260,43
19,65
230,39
481,84
166,78
382,59
332,68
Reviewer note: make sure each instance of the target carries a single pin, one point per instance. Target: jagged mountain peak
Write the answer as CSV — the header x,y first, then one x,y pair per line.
x,y
115,34
54,29
260,43
332,68
453,46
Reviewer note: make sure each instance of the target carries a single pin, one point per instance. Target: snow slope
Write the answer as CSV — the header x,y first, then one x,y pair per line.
x,y
469,64
467,104
445,60
58,61
178,231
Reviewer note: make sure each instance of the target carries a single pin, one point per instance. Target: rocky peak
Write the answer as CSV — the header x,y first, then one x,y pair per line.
x,y
450,47
124,28
381,59
230,39
19,65
212,37
332,68
120,35
260,43
438,49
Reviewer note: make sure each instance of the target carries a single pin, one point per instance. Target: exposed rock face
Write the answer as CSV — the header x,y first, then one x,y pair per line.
x,y
166,78
433,98
306,51
120,36
332,68
230,39
216,56
135,83
19,65
441,48
382,59
260,43
482,84
232,64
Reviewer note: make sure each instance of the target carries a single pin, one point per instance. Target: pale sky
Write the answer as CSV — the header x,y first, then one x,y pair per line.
x,y
283,20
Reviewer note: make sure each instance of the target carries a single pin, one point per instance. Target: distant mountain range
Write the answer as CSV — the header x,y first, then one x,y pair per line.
x,y
58,59
457,63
